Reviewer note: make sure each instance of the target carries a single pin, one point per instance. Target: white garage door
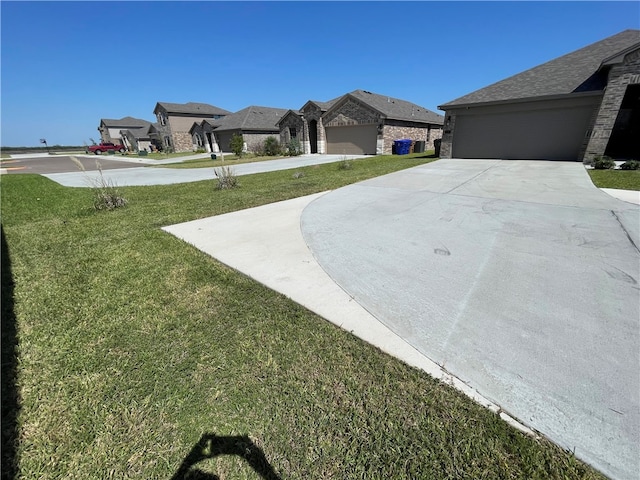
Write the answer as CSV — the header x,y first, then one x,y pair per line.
x,y
352,140
554,134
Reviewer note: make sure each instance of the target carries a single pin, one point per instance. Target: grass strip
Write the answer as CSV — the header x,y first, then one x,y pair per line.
x,y
621,179
229,160
138,356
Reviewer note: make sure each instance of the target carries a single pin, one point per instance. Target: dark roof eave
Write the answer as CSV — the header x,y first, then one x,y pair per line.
x,y
618,57
415,120
451,106
247,130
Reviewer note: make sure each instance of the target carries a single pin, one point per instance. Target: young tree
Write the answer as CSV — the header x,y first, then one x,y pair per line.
x,y
237,144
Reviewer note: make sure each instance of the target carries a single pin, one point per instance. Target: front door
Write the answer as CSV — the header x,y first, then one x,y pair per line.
x,y
313,135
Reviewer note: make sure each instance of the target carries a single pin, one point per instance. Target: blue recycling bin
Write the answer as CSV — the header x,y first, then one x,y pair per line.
x,y
402,147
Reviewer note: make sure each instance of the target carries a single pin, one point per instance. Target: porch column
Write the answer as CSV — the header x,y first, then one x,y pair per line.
x,y
306,142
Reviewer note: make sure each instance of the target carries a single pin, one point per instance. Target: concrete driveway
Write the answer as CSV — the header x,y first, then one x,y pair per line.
x,y
520,278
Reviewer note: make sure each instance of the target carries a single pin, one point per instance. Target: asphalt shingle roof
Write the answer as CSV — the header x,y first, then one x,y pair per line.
x,y
577,71
252,118
192,108
128,122
396,109
143,132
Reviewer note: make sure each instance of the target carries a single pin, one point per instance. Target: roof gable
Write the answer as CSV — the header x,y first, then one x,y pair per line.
x,y
323,106
578,71
293,113
394,108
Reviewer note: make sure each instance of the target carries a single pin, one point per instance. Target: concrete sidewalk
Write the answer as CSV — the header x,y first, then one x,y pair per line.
x,y
520,278
127,177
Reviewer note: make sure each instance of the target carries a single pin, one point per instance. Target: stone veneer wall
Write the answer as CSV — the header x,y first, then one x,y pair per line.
x,y
313,112
447,135
620,76
182,141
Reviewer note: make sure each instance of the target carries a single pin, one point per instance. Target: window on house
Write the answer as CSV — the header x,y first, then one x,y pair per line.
x,y
167,141
162,119
293,133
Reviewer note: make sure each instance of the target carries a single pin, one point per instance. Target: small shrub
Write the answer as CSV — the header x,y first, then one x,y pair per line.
x,y
294,148
630,165
226,178
105,193
345,164
272,147
200,150
108,198
603,163
237,144
298,174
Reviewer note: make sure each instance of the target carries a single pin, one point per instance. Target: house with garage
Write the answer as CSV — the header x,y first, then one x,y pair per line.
x,y
253,123
176,119
203,136
359,122
137,139
110,129
575,107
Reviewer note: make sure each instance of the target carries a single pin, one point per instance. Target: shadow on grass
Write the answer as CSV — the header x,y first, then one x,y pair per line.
x,y
10,397
210,446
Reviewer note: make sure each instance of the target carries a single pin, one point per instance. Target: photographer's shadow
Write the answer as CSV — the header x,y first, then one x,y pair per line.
x,y
210,446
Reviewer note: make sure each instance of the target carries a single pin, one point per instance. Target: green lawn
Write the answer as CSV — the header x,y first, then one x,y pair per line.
x,y
131,349
622,179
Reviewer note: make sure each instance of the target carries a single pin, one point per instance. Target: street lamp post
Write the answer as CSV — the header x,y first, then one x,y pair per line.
x,y
44,140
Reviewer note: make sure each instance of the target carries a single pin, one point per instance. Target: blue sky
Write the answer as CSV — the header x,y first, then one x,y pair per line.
x,y
66,65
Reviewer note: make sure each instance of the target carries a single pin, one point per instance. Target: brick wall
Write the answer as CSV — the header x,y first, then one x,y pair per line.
x,y
291,121
351,113
398,131
620,76
252,139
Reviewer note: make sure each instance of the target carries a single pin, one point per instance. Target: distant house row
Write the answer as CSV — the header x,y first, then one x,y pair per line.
x,y
359,122
576,107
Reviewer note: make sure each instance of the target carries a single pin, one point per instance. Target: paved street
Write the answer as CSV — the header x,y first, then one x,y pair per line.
x,y
60,164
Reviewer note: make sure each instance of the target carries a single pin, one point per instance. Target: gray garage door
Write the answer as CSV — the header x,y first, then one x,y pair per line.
x,y
352,140
555,134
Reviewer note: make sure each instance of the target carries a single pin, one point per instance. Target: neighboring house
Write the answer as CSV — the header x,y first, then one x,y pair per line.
x,y
578,106
110,129
359,122
203,137
176,119
254,123
136,139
